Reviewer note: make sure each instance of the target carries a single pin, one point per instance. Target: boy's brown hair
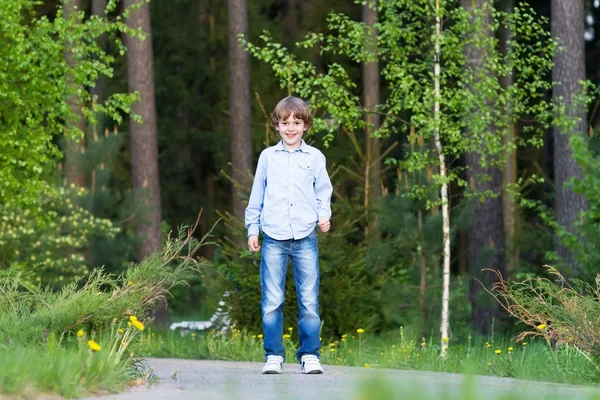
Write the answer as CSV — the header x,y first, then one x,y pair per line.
x,y
290,105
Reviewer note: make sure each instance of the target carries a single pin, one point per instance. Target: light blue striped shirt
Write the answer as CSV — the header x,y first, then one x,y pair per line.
x,y
290,193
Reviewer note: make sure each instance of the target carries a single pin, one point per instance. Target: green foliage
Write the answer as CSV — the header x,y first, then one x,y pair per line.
x,y
563,313
349,295
473,99
35,83
29,312
54,248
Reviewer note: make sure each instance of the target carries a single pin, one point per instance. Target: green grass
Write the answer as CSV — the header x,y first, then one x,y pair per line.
x,y
534,360
29,371
74,366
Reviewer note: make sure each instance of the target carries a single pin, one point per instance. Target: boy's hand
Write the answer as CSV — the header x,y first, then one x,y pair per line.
x,y
253,244
324,224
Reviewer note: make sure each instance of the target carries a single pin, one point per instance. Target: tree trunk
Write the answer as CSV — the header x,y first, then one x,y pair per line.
x,y
74,150
567,21
509,173
445,321
144,142
371,101
240,121
98,7
144,147
486,232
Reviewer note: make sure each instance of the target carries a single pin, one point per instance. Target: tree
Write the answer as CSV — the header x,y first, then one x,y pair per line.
x,y
144,148
371,100
36,83
486,232
74,149
422,45
569,69
240,127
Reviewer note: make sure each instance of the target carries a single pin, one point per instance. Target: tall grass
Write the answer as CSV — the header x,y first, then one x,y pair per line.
x,y
77,339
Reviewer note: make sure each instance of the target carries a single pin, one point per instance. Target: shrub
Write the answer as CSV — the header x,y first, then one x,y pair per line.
x,y
562,312
30,312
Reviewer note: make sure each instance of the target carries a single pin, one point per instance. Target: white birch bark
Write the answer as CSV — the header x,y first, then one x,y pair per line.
x,y
444,190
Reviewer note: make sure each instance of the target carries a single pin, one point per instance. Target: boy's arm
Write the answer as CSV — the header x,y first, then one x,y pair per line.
x,y
323,190
255,203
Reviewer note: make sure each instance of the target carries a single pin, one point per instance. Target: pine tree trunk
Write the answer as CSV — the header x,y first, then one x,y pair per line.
x,y
371,100
240,121
144,146
144,143
486,233
74,150
445,321
567,21
509,173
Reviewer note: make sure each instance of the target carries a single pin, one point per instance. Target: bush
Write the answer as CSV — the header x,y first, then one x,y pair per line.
x,y
563,313
31,312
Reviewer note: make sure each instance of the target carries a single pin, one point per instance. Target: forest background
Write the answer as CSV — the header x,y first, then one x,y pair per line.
x,y
205,112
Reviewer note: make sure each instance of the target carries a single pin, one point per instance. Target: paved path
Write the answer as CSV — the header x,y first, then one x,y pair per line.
x,y
228,380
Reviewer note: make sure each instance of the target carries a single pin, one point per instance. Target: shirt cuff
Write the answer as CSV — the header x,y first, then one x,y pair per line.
x,y
253,230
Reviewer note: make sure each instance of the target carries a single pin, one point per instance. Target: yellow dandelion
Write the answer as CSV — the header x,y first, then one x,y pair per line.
x,y
445,340
286,336
360,330
332,350
510,349
94,346
541,327
138,325
489,364
132,318
130,283
121,331
498,351
488,345
253,336
193,334
524,343
367,365
290,329
80,333
260,335
344,336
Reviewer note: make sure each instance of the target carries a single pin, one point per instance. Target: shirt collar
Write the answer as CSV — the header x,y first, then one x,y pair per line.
x,y
303,147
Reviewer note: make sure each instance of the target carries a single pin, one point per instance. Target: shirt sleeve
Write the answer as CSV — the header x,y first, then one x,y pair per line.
x,y
257,195
323,189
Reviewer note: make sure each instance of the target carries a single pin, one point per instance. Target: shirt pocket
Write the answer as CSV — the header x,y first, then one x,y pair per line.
x,y
307,173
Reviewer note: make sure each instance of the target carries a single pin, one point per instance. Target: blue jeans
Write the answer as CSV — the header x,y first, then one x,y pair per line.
x,y
304,255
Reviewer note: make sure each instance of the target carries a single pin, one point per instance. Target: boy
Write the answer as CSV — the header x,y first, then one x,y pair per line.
x,y
291,194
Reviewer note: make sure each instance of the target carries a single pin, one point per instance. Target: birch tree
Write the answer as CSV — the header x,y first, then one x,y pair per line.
x,y
421,45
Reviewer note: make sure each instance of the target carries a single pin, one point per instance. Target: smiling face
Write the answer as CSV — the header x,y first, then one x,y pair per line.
x,y
291,131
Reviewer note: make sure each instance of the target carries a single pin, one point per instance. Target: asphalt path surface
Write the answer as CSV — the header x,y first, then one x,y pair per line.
x,y
227,380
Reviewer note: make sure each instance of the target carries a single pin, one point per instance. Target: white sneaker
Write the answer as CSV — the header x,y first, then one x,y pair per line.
x,y
274,365
311,364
